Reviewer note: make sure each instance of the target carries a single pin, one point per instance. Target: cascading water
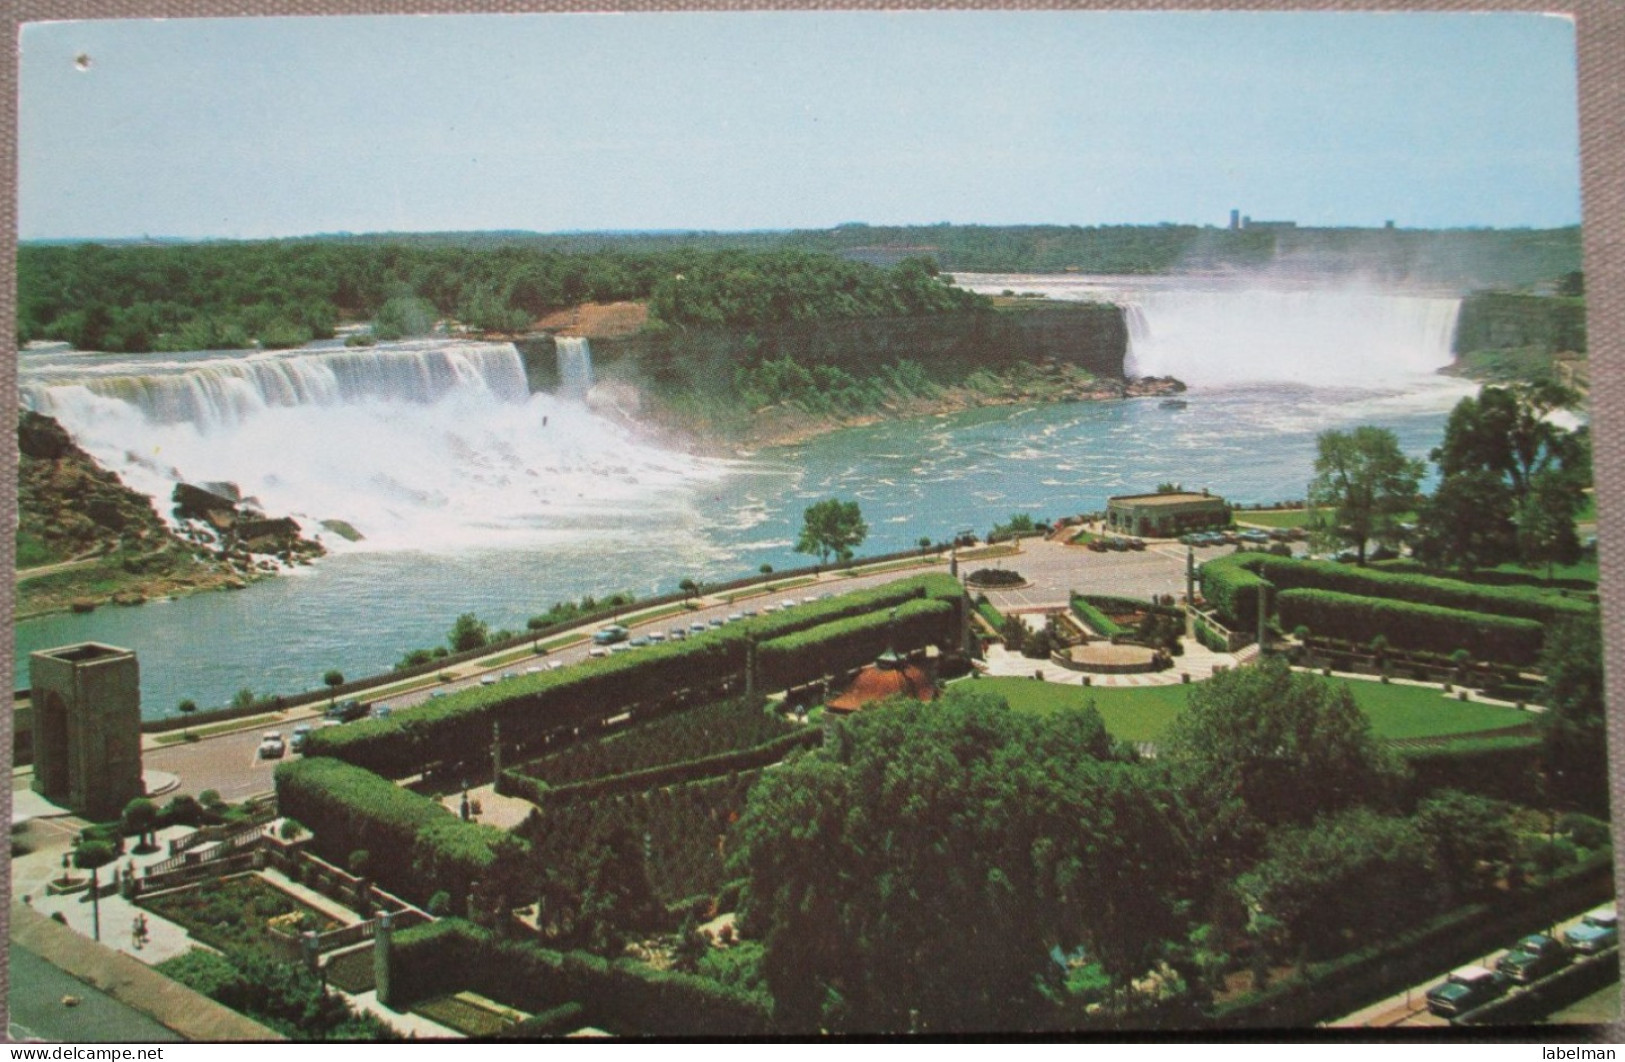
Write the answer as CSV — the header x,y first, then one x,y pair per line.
x,y
1212,333
423,445
575,367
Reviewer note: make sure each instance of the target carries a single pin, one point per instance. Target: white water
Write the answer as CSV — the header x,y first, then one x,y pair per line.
x,y
425,445
575,367
1220,333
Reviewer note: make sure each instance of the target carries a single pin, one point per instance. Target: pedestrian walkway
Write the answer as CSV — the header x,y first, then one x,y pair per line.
x,y
1198,661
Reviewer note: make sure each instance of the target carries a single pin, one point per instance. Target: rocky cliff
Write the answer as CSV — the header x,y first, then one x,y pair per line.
x,y
85,539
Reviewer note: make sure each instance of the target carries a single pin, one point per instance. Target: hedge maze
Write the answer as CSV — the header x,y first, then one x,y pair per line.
x,y
673,768
1420,613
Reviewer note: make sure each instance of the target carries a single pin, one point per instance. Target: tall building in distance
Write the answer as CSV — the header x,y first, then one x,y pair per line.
x,y
86,704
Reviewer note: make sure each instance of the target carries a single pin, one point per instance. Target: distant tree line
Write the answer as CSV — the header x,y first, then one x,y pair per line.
x,y
141,298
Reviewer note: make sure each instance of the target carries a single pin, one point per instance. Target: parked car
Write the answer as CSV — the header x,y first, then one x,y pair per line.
x,y
642,641
735,617
1136,544
488,680
611,634
677,634
657,636
379,711
1597,931
598,650
272,747
697,627
301,734
1256,537
506,675
1465,989
1532,958
347,710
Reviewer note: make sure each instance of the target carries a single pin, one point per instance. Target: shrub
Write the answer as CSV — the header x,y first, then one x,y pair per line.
x,y
1232,588
1097,620
1413,626
836,647
994,577
1585,831
419,846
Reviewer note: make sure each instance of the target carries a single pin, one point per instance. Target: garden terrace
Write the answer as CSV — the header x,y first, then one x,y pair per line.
x,y
530,708
416,846
688,825
233,912
727,726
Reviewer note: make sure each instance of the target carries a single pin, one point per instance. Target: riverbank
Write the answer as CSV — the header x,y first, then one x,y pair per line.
x,y
712,430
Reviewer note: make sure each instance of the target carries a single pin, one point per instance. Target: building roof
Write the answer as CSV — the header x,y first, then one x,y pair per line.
x,y
1182,498
876,682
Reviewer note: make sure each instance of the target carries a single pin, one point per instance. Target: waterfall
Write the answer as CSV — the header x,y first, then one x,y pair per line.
x,y
575,366
1293,336
215,391
422,445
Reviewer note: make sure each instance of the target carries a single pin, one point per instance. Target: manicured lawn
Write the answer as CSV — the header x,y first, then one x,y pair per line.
x,y
469,1014
1142,714
1275,517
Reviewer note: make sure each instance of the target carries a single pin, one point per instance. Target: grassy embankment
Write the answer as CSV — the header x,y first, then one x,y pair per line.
x,y
1397,712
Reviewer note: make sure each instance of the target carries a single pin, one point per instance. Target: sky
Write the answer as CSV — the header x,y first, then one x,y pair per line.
x,y
248,128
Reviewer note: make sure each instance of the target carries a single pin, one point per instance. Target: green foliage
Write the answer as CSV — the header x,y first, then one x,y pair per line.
x,y
740,723
690,827
457,727
1520,602
1471,838
1574,729
284,996
1231,586
1498,320
468,633
1411,626
1018,524
1467,523
1366,482
832,527
1097,620
925,841
624,997
140,817
418,846
1351,877
233,913
1263,747
839,646
91,854
736,289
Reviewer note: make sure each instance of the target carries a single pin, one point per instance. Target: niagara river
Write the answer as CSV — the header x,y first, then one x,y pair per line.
x,y
475,495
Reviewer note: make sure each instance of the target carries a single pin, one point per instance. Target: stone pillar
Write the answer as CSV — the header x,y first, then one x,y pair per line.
x,y
310,950
496,752
381,945
87,727
1190,592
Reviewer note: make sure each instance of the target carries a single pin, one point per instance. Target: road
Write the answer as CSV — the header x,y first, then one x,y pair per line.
x,y
1408,1009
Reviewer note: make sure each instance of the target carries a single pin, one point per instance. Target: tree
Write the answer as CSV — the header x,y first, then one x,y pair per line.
x,y
1366,482
689,587
1263,747
468,633
187,707
92,856
1506,436
832,527
1471,838
333,679
1467,523
1574,727
140,817
1351,877
917,870
1545,521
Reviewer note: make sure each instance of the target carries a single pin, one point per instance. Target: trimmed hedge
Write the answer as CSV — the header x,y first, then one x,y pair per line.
x,y
512,783
1294,574
1413,626
1231,587
1097,620
418,847
457,727
834,648
625,997
1503,768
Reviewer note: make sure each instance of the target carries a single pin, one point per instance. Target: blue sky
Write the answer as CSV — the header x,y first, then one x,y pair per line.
x,y
277,127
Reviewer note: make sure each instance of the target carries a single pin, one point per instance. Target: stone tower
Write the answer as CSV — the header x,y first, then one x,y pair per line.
x,y
87,727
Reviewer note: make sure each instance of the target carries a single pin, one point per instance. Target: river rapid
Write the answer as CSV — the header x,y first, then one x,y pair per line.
x,y
478,497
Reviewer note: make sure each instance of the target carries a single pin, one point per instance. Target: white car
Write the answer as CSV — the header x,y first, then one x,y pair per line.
x,y
598,650
272,747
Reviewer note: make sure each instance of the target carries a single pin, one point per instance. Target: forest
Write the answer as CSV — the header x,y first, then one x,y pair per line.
x,y
224,296
161,296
